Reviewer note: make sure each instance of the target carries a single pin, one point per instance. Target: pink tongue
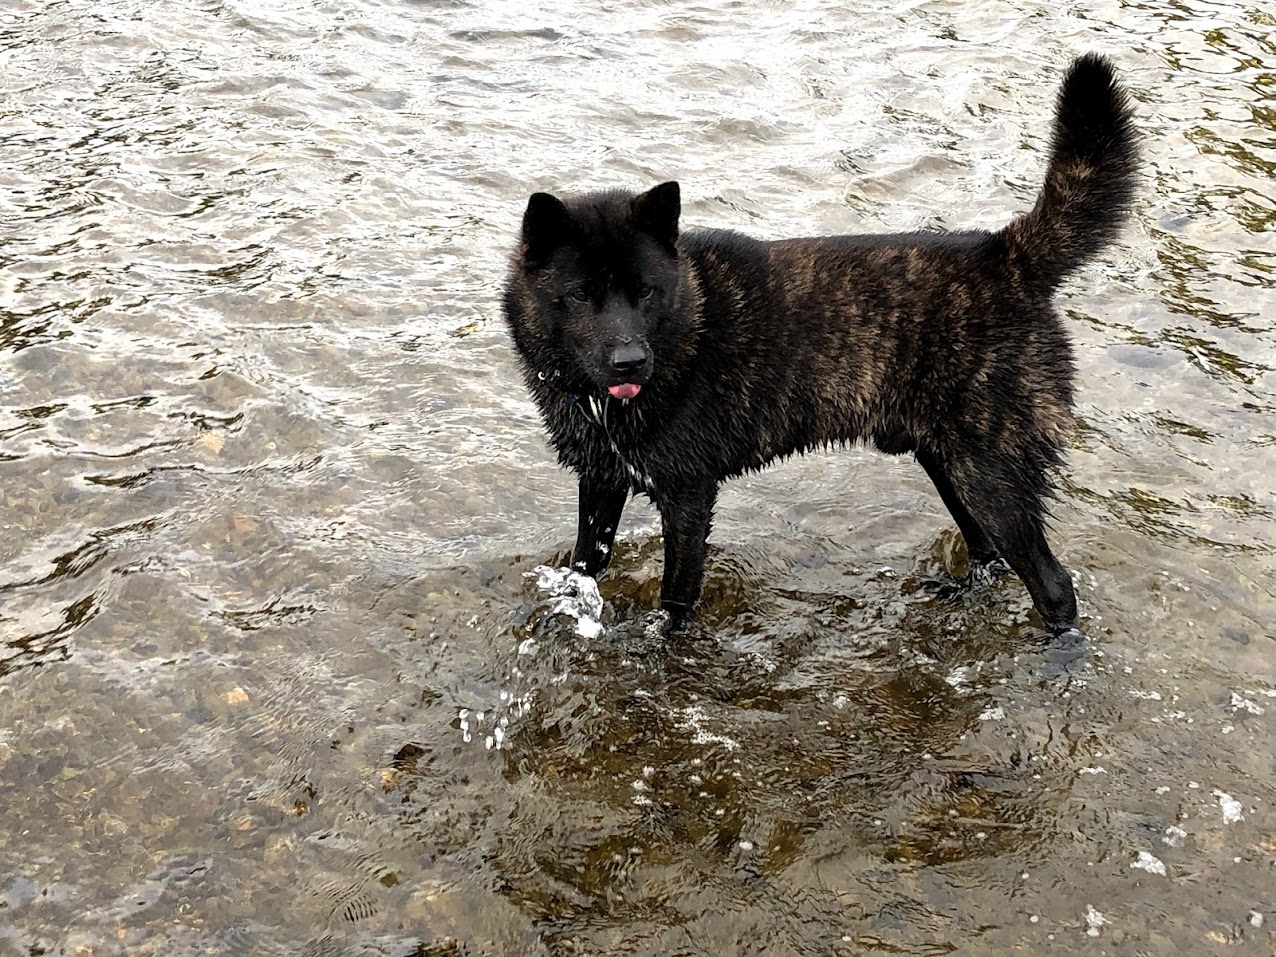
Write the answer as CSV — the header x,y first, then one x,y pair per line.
x,y
626,391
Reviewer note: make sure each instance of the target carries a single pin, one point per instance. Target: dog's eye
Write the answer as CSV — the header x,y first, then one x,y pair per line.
x,y
580,295
645,290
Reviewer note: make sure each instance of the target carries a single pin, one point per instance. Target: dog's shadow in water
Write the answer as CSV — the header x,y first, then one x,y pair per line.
x,y
797,716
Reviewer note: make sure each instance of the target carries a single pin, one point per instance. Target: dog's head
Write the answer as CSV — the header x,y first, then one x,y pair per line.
x,y
605,274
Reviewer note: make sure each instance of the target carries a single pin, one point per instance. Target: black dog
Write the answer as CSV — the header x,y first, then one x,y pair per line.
x,y
666,363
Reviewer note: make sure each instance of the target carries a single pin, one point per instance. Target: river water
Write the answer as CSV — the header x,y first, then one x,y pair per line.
x,y
277,674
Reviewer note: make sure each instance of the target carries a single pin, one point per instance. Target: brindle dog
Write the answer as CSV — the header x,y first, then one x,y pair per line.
x,y
666,362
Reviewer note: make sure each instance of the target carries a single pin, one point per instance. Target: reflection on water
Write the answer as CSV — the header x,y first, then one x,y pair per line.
x,y
276,672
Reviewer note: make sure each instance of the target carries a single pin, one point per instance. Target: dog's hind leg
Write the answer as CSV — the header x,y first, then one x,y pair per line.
x,y
601,503
979,546
1013,516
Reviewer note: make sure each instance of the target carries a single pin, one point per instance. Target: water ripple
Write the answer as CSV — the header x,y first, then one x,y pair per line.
x,y
272,678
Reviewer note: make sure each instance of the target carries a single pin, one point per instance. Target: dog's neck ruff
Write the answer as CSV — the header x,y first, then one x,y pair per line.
x,y
595,412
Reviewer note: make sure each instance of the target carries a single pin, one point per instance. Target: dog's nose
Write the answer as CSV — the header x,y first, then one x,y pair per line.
x,y
628,359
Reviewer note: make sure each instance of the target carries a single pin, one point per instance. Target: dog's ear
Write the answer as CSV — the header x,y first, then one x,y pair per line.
x,y
546,225
656,212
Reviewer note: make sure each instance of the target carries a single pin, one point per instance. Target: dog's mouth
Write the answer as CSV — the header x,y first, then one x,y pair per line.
x,y
626,390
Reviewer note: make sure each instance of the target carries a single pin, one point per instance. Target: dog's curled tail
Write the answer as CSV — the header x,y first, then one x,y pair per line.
x,y
1090,181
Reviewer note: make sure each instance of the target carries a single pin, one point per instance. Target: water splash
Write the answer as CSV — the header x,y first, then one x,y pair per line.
x,y
572,594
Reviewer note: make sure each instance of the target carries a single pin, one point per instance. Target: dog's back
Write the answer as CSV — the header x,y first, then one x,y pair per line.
x,y
933,338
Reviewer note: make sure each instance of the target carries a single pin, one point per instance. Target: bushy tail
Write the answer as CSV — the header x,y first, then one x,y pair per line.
x,y
1091,178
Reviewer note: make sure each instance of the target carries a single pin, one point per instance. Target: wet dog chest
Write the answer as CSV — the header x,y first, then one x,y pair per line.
x,y
599,421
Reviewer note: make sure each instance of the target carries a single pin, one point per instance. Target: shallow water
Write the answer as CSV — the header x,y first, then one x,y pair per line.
x,y
276,674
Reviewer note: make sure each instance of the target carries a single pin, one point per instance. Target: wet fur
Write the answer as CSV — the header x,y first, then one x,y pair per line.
x,y
944,345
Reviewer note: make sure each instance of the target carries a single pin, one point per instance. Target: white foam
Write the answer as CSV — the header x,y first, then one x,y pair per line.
x,y
1093,921
1241,703
1232,810
692,720
1148,862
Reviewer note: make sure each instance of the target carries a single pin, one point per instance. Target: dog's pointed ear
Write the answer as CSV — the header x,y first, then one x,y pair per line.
x,y
656,212
547,224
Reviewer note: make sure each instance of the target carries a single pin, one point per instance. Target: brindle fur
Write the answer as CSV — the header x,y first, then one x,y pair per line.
x,y
945,345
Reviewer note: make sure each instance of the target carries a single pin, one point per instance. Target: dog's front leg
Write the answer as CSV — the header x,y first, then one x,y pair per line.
x,y
685,516
601,503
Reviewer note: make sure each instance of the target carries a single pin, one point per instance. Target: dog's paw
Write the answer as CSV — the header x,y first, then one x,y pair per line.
x,y
1066,655
941,588
985,573
979,576
655,624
